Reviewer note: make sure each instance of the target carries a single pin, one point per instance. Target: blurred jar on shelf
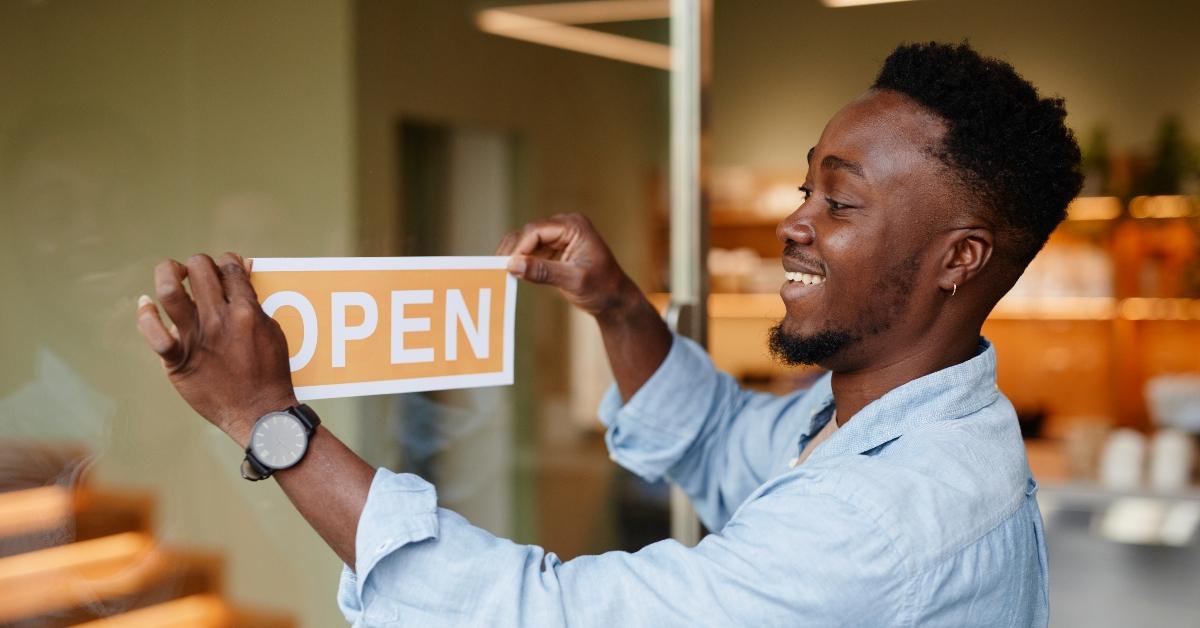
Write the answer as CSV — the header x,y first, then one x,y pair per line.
x,y
1067,267
743,270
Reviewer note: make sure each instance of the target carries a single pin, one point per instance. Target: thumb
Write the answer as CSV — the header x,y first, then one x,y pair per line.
x,y
538,270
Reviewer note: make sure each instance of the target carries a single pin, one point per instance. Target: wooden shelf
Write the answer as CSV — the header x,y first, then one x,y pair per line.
x,y
35,509
1084,208
203,610
725,305
720,220
73,553
1056,308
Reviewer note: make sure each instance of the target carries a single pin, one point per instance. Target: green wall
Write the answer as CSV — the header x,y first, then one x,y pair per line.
x,y
134,130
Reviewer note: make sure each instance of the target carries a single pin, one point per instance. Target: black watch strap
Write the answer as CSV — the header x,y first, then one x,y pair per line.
x,y
308,417
254,470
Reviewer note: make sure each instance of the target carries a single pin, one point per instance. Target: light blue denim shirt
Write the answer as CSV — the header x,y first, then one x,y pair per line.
x,y
918,512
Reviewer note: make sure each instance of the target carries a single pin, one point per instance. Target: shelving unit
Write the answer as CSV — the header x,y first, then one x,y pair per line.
x,y
736,305
1070,358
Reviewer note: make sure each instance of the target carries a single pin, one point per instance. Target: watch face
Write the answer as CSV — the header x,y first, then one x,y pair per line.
x,y
278,440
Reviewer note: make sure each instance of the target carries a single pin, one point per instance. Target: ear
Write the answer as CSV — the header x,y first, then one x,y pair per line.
x,y
969,251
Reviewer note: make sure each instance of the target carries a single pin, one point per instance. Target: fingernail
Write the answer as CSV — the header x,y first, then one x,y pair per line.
x,y
143,301
517,265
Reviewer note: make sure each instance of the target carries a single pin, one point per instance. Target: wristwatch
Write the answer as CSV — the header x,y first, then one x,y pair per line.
x,y
279,440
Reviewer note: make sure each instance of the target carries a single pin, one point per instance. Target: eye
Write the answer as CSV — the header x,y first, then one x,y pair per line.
x,y
805,191
834,205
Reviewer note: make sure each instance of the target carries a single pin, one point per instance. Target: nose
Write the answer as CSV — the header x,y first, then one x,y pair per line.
x,y
797,227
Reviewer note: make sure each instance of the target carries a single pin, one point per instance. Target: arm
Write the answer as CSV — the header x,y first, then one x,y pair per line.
x,y
329,488
673,414
791,557
696,426
566,252
229,361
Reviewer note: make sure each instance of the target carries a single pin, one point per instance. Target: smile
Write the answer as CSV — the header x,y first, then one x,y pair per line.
x,y
804,278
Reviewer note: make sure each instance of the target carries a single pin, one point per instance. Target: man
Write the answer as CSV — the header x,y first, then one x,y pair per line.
x,y
926,198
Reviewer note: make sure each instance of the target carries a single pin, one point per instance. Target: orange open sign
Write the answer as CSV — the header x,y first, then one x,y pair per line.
x,y
379,325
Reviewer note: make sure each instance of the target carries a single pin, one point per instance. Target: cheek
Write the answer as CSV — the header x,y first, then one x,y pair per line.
x,y
856,255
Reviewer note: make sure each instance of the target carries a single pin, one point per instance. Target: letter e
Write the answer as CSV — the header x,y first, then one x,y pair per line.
x,y
402,325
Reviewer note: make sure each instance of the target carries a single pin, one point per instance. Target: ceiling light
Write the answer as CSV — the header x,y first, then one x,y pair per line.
x,y
838,4
550,25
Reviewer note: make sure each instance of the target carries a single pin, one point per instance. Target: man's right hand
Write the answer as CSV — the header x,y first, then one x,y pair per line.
x,y
566,252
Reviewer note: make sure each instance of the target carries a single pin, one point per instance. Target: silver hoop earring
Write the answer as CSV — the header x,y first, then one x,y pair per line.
x,y
955,290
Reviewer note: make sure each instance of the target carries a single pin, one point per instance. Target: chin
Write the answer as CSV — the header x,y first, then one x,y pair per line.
x,y
817,348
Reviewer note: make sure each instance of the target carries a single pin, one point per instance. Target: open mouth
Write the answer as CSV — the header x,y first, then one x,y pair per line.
x,y
807,279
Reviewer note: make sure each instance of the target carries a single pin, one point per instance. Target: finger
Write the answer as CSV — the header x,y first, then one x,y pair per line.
x,y
168,285
235,280
508,243
551,235
206,287
544,271
151,326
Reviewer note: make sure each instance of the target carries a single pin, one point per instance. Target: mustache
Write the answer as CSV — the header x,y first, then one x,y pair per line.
x,y
795,252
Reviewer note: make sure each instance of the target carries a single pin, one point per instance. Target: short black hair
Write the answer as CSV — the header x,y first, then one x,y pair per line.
x,y
1008,145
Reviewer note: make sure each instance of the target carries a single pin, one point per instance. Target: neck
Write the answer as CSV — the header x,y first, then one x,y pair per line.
x,y
854,388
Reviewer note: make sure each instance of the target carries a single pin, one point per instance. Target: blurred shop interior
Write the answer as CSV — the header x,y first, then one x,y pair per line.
x,y
133,130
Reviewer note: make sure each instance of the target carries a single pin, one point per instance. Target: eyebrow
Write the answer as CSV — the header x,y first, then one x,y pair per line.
x,y
833,162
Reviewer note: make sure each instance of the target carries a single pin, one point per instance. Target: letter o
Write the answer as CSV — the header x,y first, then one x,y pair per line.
x,y
308,318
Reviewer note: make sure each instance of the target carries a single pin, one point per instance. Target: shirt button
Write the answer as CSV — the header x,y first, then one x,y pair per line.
x,y
793,462
612,457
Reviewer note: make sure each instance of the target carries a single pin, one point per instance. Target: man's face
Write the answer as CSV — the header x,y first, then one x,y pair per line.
x,y
876,197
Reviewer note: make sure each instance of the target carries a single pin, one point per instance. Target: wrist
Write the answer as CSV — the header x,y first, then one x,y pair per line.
x,y
240,433
241,422
627,302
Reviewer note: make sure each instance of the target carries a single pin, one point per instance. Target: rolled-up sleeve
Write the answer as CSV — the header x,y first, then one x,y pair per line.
x,y
695,426
423,566
408,505
654,430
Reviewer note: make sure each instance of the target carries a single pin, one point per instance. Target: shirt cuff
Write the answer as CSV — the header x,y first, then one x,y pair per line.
x,y
401,509
347,597
652,432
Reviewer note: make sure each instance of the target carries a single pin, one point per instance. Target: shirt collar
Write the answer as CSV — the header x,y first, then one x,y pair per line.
x,y
947,394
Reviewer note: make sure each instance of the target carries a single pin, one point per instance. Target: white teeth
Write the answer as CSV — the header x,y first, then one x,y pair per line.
x,y
804,278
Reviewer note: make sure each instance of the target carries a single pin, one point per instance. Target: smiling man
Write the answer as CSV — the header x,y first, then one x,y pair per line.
x,y
895,492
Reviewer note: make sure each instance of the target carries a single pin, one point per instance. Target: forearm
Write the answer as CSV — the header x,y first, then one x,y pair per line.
x,y
329,487
636,339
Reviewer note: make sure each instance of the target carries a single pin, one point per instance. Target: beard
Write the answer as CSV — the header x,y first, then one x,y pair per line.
x,y
891,295
795,349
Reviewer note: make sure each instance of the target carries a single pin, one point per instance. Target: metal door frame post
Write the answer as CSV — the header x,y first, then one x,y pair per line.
x,y
691,37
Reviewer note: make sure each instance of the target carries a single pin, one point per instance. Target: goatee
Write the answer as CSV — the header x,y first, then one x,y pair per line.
x,y
795,350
